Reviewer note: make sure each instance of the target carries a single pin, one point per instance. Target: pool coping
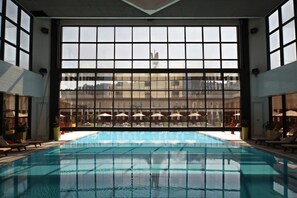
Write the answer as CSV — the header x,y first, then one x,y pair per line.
x,y
15,155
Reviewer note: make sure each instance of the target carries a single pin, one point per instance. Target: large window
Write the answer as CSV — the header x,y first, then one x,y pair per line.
x,y
149,76
282,35
16,41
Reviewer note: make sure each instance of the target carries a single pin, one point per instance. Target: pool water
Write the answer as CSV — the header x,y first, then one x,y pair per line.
x,y
151,164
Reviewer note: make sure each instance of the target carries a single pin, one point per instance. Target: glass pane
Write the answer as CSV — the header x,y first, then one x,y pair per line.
x,y
277,110
123,51
68,82
23,110
87,64
24,60
176,51
159,81
158,51
176,34
196,81
106,51
211,34
158,34
289,33
275,60
10,32
177,64
229,34
141,64
69,64
25,41
177,81
25,21
274,41
196,99
69,51
12,11
123,64
88,34
141,81
70,34
123,34
213,81
141,34
214,118
290,53
105,64
287,11
195,64
232,99
291,109
87,51
1,2
193,34
194,51
273,21
212,64
212,51
159,64
86,81
105,34
9,54
231,81
229,64
122,81
141,99
159,99
104,81
229,51
141,51
9,112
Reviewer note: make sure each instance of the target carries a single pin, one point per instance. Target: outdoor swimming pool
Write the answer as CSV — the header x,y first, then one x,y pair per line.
x,y
152,164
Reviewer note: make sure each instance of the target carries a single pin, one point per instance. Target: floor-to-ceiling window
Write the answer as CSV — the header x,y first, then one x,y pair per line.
x,y
16,49
152,77
281,29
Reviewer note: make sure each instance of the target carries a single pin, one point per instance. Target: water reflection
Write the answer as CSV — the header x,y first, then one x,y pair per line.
x,y
180,170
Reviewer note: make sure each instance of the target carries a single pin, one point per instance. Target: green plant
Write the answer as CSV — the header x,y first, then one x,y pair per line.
x,y
268,125
244,123
20,128
56,123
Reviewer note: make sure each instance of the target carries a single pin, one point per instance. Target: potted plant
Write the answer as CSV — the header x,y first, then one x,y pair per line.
x,y
21,131
56,127
244,129
269,126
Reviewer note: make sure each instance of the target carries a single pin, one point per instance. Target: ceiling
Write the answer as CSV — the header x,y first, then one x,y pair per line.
x,y
118,9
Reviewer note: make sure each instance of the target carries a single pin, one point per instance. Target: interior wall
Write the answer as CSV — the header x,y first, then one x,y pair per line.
x,y
16,80
41,59
258,60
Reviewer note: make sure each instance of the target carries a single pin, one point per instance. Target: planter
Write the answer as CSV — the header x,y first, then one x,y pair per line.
x,y
23,135
269,133
244,133
57,133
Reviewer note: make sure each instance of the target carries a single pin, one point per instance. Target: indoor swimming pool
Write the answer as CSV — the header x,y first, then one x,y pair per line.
x,y
149,164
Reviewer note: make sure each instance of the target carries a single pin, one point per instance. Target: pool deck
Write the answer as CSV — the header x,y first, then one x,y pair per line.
x,y
235,138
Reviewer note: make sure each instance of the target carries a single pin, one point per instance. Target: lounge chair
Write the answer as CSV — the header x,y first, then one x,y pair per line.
x,y
287,140
5,150
31,142
276,136
290,146
4,144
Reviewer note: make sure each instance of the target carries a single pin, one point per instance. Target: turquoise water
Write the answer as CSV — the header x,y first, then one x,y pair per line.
x,y
183,164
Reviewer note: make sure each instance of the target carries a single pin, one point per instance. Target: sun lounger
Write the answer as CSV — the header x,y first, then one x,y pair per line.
x,y
289,146
287,140
5,150
276,136
4,144
31,142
